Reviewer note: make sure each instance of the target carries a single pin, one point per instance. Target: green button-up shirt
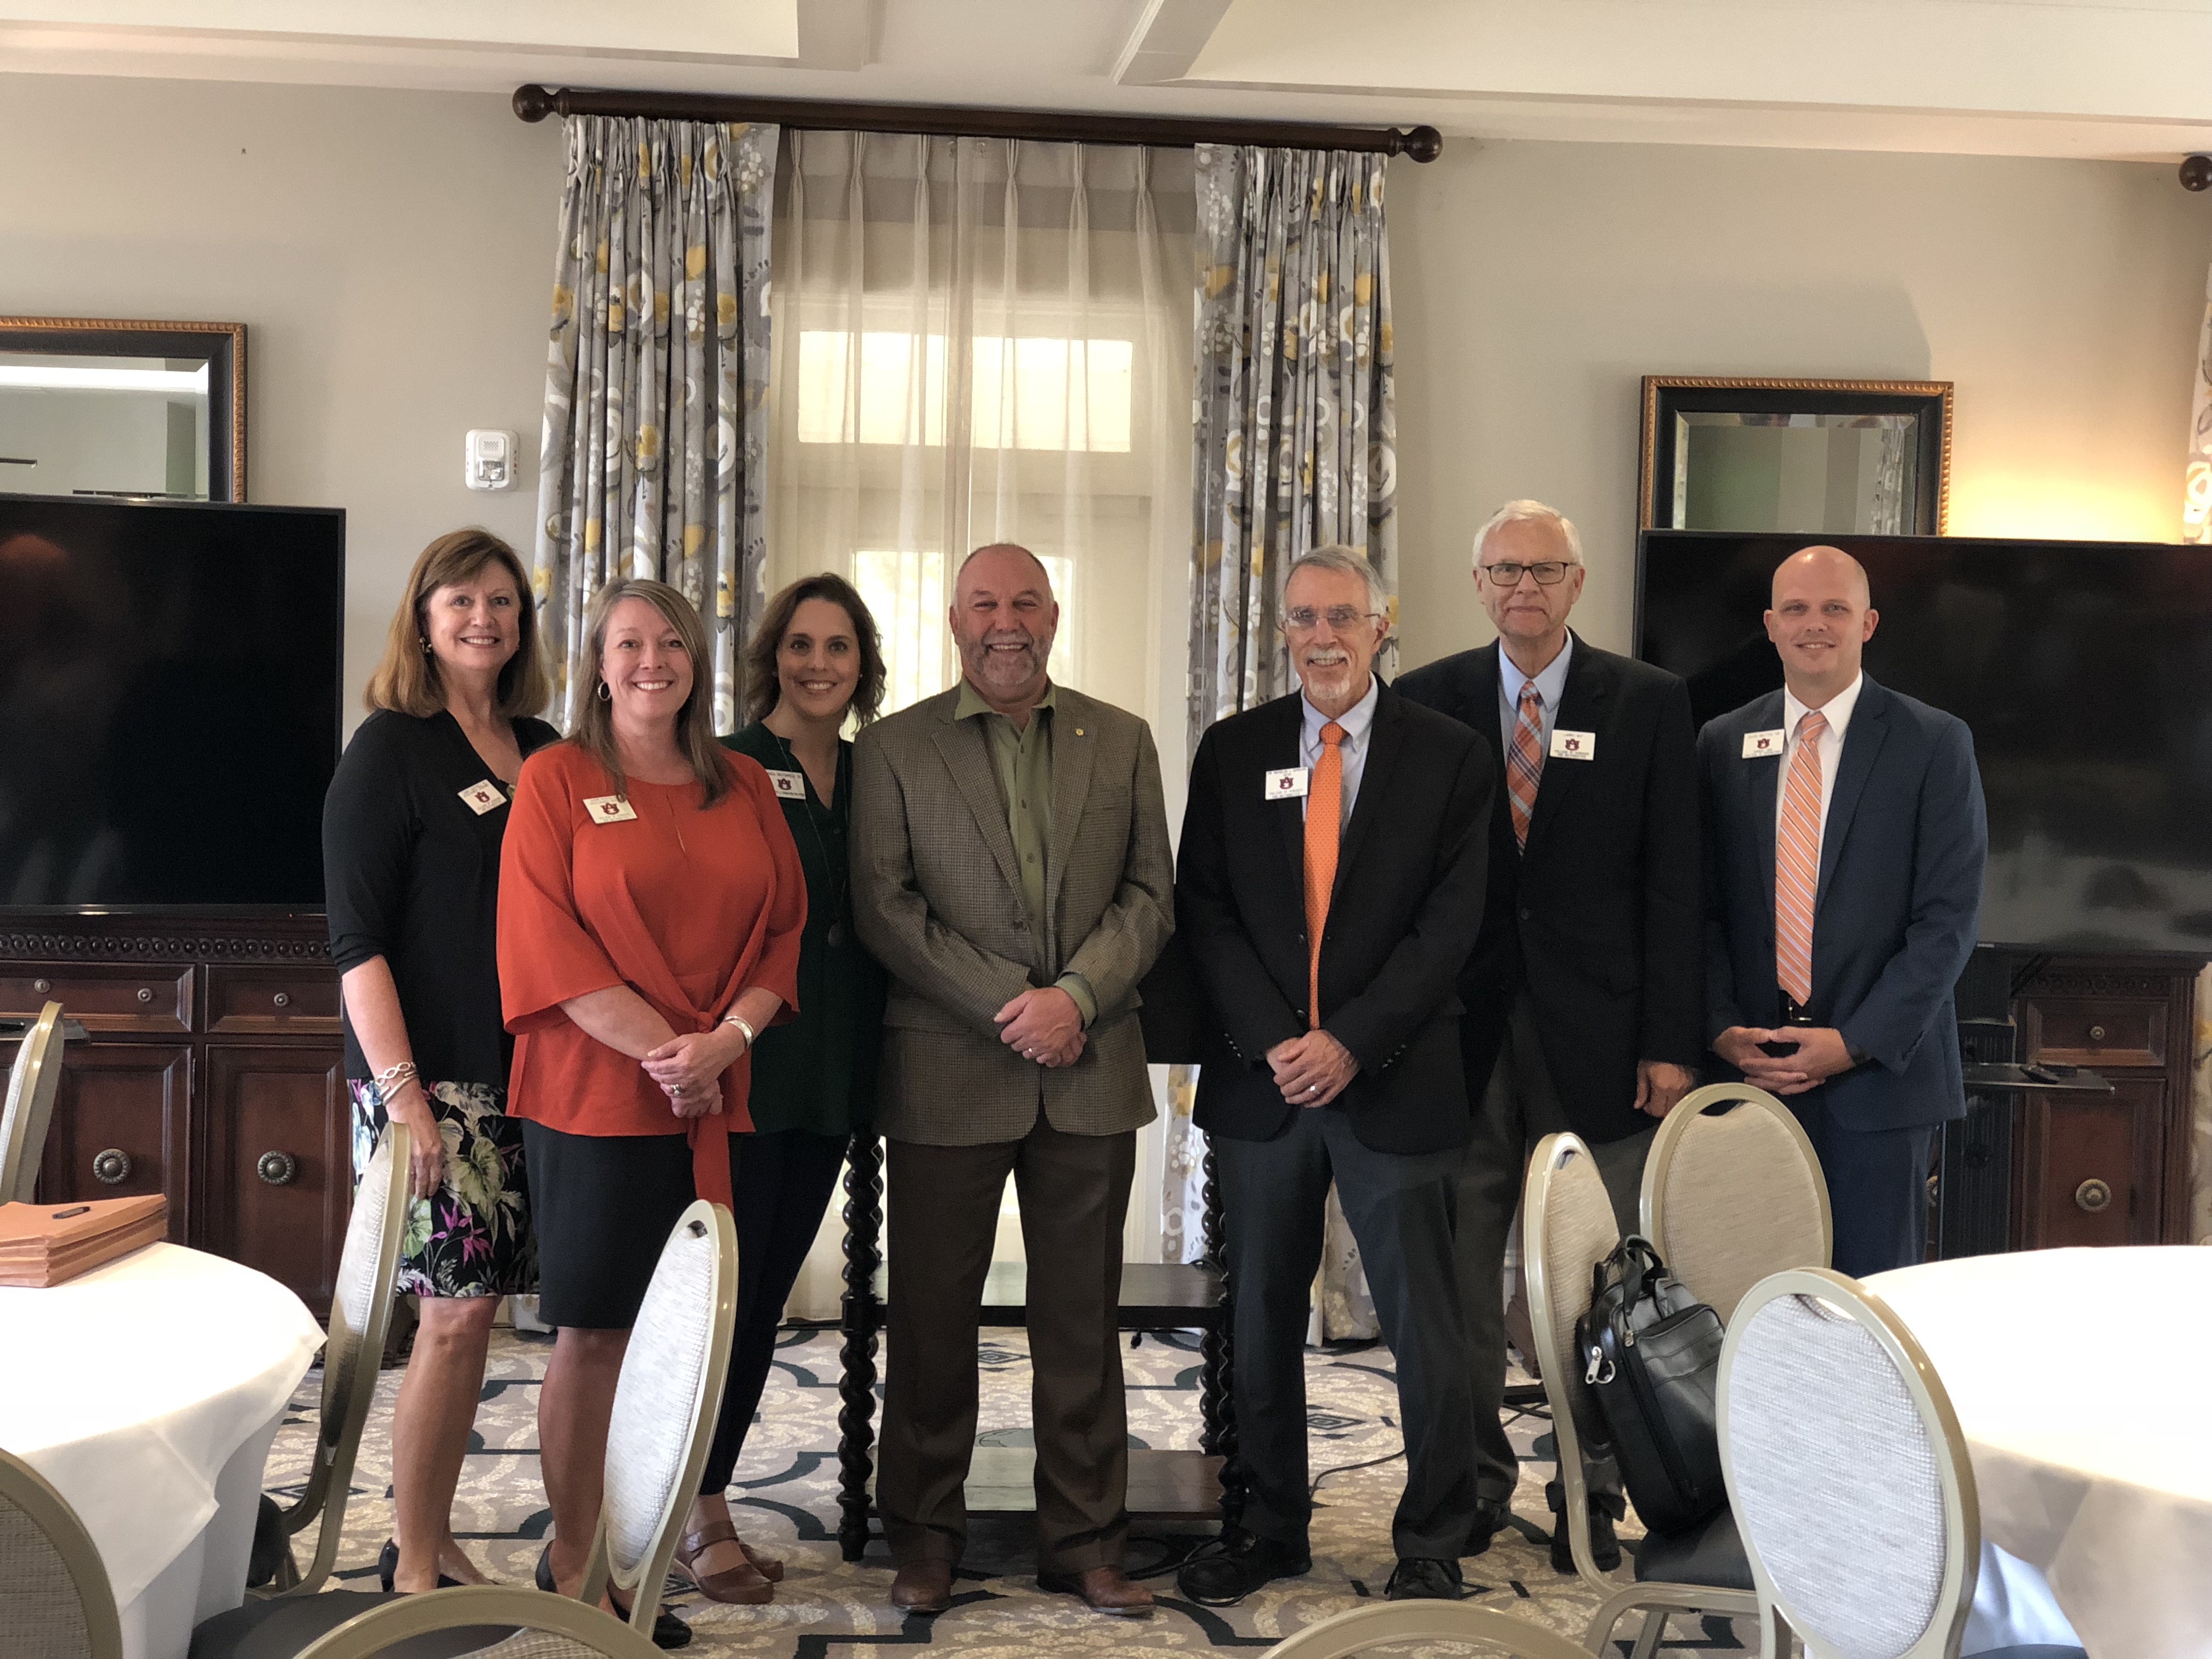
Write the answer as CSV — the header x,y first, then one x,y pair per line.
x,y
1021,757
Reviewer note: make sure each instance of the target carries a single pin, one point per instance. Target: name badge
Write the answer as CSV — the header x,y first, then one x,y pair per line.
x,y
1765,745
609,808
1288,784
789,786
1573,746
485,797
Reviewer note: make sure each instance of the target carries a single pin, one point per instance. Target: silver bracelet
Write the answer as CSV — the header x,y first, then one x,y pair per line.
x,y
394,1078
744,1025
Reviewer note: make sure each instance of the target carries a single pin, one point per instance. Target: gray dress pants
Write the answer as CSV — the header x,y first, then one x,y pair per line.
x,y
1519,1108
1400,1207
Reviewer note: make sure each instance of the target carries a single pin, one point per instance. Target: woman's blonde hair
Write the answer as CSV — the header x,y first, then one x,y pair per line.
x,y
695,721
406,680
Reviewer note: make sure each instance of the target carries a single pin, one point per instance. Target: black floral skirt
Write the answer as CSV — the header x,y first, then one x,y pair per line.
x,y
472,1236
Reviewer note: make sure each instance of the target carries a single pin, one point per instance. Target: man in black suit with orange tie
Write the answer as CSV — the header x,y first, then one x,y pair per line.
x,y
1329,887
1584,1007
1847,846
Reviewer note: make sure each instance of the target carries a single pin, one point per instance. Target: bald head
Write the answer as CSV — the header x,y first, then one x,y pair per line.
x,y
1003,619
1819,621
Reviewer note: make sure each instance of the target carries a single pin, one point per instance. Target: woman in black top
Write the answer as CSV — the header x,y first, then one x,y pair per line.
x,y
814,661
411,832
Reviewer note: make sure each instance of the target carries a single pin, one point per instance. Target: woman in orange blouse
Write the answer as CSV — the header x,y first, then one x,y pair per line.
x,y
651,903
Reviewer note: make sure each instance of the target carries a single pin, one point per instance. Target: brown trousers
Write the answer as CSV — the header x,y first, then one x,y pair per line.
x,y
1074,1193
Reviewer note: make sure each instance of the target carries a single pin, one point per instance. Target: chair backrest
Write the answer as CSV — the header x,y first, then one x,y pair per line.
x,y
1733,1191
55,1599
1363,1628
1566,1229
665,1401
549,1627
32,1081
1847,1473
361,1318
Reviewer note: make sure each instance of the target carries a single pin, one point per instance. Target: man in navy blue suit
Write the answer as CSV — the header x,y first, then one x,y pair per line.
x,y
1845,843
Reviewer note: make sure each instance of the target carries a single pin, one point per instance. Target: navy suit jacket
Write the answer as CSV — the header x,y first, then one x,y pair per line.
x,y
1899,899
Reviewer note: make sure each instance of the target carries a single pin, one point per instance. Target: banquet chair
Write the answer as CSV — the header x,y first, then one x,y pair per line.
x,y
1849,1476
361,1314
55,1599
1733,1191
666,1397
1363,1628
32,1081
1567,1230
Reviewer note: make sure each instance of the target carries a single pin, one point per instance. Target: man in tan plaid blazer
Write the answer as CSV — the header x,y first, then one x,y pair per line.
x,y
1012,871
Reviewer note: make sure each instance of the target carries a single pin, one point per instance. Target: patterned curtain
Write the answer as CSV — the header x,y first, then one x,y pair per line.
x,y
1296,436
2196,481
656,385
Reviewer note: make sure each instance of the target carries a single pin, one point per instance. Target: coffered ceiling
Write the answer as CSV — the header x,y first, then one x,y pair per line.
x,y
2118,78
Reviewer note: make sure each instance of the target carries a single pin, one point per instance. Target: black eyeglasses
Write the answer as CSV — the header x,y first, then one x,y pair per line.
x,y
1549,572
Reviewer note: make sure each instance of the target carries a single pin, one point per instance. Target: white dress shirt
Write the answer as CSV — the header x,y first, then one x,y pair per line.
x,y
1838,711
1551,686
1358,723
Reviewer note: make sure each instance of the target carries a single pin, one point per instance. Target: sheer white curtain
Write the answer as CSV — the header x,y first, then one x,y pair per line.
x,y
980,340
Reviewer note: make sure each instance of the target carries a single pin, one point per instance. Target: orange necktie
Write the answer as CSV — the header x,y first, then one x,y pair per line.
x,y
1797,863
1324,816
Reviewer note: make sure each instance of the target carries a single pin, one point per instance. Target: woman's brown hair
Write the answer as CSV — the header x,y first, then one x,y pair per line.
x,y
764,689
406,680
694,721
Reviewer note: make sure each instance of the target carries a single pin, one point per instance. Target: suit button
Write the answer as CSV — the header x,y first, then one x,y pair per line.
x,y
1524,913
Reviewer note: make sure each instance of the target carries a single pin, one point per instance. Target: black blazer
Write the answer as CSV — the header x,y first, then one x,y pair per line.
x,y
1599,917
1899,907
1405,910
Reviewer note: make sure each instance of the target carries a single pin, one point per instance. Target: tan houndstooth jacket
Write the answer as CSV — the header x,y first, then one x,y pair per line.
x,y
938,897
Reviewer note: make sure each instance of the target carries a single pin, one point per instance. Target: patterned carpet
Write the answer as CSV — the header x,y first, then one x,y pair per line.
x,y
828,1608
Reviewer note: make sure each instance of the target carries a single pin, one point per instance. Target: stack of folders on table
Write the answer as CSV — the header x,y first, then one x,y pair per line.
x,y
43,1244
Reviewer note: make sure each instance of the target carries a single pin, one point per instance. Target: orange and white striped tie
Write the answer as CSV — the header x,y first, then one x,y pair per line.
x,y
1524,766
1797,863
1324,816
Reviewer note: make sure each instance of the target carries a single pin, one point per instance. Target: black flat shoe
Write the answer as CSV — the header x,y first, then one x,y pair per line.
x,y
387,1568
1416,1578
1230,1569
669,1631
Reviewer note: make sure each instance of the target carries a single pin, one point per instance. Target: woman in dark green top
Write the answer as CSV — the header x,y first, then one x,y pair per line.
x,y
815,662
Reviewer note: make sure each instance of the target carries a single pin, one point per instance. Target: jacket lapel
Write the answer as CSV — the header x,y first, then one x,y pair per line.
x,y
1765,781
1075,734
967,752
1583,703
1862,741
1385,741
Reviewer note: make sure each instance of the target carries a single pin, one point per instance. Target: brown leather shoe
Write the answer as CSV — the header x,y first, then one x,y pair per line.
x,y
1103,1589
739,1583
923,1587
768,1566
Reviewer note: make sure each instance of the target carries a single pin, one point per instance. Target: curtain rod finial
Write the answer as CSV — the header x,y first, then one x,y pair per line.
x,y
534,103
1415,144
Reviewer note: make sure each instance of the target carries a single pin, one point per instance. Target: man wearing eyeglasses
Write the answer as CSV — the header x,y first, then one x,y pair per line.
x,y
1584,993
1329,888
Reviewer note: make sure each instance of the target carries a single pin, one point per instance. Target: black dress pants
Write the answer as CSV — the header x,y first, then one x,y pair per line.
x,y
1877,1187
1400,1206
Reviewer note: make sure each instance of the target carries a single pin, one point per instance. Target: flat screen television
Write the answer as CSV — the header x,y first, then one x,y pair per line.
x,y
2084,670
169,685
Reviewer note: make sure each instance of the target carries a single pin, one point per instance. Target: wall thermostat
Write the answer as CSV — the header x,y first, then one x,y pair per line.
x,y
490,460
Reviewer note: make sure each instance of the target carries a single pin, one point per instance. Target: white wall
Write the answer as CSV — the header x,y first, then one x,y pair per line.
x,y
1533,284
390,254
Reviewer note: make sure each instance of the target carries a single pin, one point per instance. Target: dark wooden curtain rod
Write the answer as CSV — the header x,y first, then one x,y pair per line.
x,y
534,103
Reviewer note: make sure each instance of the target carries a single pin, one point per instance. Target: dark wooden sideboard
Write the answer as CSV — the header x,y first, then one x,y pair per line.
x,y
212,1070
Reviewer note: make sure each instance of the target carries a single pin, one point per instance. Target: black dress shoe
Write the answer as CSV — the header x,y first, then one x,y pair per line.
x,y
1490,1517
1230,1569
669,1631
1416,1578
387,1568
1605,1547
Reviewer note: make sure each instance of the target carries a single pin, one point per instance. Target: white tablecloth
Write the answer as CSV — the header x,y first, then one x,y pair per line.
x,y
2082,1380
148,1392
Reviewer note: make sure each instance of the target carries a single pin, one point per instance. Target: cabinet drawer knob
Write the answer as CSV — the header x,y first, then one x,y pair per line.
x,y
42,986
283,999
277,1169
2096,1034
112,1167
2093,1195
144,994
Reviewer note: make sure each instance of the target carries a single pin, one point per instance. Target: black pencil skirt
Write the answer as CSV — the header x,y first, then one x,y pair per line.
x,y
603,1206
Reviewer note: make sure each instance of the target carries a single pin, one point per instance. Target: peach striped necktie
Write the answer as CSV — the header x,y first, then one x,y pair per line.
x,y
1797,863
1524,766
1324,816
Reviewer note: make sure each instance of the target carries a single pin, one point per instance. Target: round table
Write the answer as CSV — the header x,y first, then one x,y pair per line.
x,y
2081,1379
148,1392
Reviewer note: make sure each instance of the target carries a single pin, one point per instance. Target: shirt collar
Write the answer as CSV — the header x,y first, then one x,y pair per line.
x,y
971,701
1551,684
1355,720
1838,708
